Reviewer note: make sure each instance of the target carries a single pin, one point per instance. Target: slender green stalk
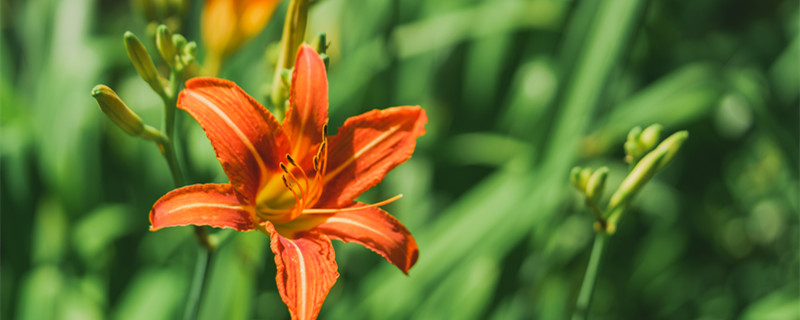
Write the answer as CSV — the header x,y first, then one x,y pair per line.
x,y
167,148
294,30
590,277
199,278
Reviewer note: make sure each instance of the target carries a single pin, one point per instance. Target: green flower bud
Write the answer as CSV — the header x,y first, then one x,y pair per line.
x,y
166,48
142,62
579,177
117,111
189,52
650,136
641,174
631,145
596,185
671,144
179,41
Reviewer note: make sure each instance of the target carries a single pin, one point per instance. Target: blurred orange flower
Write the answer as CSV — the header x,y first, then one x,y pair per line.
x,y
227,24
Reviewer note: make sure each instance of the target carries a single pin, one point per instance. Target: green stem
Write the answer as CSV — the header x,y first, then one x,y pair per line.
x,y
198,283
165,144
294,30
589,278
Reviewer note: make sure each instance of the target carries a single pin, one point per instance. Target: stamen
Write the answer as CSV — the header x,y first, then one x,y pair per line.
x,y
288,157
296,198
294,179
305,176
329,211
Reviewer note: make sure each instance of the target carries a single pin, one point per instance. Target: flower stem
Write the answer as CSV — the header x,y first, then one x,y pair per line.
x,y
198,283
294,30
167,148
165,145
590,277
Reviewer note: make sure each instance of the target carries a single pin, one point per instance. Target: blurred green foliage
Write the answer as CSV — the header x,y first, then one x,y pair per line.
x,y
517,93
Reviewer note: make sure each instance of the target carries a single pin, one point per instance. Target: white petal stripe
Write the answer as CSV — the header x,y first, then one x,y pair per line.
x,y
361,225
233,126
360,152
302,268
205,205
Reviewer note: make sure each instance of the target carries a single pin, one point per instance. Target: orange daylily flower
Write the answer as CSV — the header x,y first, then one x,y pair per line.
x,y
227,24
293,182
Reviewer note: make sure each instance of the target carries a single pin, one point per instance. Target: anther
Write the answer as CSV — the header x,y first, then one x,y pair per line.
x,y
285,182
288,157
283,167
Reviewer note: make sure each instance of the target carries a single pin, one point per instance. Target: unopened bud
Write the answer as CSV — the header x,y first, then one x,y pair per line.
x,y
580,177
638,177
650,137
166,48
631,145
179,41
671,144
142,62
189,52
596,185
117,111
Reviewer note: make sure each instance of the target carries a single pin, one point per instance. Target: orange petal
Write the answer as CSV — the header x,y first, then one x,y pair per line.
x,y
219,23
306,271
366,148
254,16
376,230
308,110
249,142
215,205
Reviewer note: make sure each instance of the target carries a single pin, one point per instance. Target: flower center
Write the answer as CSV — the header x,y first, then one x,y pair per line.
x,y
281,201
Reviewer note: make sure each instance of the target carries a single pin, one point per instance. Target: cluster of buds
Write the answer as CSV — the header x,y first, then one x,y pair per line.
x,y
179,56
640,142
646,160
590,183
175,50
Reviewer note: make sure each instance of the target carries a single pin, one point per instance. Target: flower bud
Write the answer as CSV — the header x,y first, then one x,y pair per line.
x,y
142,62
631,145
596,185
189,51
671,144
179,41
580,177
115,109
166,48
641,174
650,136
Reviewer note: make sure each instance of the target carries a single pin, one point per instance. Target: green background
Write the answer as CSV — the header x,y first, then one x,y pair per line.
x,y
517,93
